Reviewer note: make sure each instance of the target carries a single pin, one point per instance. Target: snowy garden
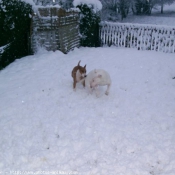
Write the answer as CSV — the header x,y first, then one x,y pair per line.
x,y
48,128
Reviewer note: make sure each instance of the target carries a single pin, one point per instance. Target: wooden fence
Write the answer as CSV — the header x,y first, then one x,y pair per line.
x,y
140,36
55,29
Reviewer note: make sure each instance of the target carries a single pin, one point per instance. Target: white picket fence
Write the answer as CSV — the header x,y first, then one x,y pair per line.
x,y
140,36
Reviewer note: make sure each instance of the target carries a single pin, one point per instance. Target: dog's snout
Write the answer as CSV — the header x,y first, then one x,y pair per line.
x,y
85,76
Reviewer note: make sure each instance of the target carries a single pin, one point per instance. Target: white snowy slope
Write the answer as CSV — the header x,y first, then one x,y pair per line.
x,y
46,127
154,20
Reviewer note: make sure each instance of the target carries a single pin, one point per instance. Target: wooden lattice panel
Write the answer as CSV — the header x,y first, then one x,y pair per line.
x,y
55,29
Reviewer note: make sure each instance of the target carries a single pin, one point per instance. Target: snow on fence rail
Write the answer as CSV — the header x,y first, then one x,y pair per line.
x,y
140,36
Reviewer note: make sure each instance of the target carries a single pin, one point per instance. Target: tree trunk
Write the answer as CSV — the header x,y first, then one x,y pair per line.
x,y
161,6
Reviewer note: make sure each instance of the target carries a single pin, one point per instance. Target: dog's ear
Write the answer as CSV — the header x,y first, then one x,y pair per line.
x,y
95,71
79,63
85,66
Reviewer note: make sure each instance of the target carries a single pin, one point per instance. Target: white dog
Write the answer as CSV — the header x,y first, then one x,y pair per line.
x,y
98,77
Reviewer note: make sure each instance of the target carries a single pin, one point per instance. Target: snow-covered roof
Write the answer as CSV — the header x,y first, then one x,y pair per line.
x,y
96,4
31,2
36,6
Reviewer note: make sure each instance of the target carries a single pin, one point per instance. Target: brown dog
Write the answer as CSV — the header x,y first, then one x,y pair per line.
x,y
78,73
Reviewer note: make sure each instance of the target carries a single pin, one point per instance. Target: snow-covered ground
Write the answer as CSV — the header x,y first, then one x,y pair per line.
x,y
47,128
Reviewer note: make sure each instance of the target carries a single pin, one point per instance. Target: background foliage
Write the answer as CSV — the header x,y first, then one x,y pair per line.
x,y
89,26
15,17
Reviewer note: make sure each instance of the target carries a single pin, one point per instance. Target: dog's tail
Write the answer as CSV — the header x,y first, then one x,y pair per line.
x,y
79,63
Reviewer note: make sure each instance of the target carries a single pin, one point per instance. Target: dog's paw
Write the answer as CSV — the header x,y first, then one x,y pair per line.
x,y
97,94
74,89
107,93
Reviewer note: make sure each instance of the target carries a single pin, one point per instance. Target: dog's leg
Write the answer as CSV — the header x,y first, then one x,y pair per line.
x,y
90,90
107,90
97,91
74,82
83,83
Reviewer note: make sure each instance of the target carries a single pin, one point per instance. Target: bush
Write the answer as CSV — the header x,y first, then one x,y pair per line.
x,y
89,26
14,30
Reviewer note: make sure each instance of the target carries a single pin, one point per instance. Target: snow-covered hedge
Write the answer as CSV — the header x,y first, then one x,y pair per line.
x,y
15,18
140,36
89,22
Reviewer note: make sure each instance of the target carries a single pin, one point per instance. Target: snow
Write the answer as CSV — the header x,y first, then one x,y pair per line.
x,y
35,7
46,127
2,48
96,4
154,20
